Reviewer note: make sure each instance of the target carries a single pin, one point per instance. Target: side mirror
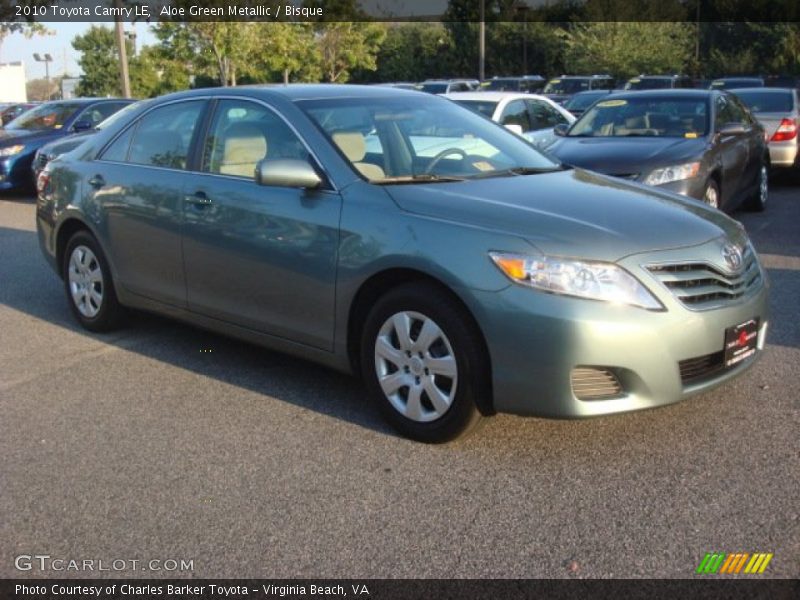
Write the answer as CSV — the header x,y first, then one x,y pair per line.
x,y
286,172
82,125
514,128
561,129
732,129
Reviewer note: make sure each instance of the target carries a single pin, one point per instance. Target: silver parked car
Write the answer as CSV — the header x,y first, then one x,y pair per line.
x,y
778,111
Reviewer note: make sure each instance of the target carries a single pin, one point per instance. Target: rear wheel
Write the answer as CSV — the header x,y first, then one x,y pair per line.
x,y
758,201
423,362
87,281
711,194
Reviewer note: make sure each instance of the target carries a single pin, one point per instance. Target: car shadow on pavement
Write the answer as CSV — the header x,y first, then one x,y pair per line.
x,y
31,287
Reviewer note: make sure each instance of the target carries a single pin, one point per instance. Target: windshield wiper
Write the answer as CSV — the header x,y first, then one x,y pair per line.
x,y
519,171
422,178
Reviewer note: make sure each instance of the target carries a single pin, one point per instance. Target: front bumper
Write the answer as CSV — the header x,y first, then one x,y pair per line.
x,y
694,187
536,339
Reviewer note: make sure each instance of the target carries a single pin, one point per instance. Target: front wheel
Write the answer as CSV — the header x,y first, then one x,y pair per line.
x,y
711,194
423,362
758,201
87,280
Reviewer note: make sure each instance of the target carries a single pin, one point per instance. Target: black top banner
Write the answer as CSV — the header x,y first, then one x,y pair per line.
x,y
47,11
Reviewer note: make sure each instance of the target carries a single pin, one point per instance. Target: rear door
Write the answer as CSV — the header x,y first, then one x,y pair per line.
x,y
260,257
138,183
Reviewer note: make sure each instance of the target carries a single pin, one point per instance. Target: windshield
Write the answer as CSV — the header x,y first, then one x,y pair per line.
x,y
401,140
648,83
727,84
644,117
434,88
52,115
483,107
778,101
500,85
582,101
566,86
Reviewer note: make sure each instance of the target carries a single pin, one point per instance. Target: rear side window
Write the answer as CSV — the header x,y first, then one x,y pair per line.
x,y
161,137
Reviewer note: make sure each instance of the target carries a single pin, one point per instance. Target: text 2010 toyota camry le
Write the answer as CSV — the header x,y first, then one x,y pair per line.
x,y
399,236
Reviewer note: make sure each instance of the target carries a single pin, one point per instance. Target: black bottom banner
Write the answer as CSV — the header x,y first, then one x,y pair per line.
x,y
396,589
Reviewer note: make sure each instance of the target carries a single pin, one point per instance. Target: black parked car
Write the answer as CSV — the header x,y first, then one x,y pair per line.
x,y
699,143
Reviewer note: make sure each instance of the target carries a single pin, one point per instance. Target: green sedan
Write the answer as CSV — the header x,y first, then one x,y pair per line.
x,y
480,278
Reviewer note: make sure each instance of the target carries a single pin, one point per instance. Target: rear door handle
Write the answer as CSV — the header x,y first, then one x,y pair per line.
x,y
97,181
199,199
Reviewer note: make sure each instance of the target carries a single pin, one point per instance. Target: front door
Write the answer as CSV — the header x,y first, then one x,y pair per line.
x,y
258,256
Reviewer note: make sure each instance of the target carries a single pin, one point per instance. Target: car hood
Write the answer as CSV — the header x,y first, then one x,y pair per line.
x,y
10,137
65,144
625,155
571,213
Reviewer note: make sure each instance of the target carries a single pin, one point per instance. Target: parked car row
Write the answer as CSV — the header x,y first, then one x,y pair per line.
x,y
405,238
21,138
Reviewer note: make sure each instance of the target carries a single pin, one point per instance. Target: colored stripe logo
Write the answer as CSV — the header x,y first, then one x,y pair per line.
x,y
733,564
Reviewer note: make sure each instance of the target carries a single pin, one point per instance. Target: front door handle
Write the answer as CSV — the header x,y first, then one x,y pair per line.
x,y
97,181
199,199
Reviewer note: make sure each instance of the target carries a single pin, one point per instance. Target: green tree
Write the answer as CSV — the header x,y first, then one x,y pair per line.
x,y
627,49
98,61
345,46
411,52
288,50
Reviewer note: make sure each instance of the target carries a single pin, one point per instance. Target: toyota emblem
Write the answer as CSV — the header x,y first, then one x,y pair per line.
x,y
732,256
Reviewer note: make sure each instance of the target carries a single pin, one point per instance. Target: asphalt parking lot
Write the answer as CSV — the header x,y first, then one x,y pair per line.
x,y
169,443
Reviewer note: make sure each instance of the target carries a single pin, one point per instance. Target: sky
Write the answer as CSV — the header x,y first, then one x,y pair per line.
x,y
17,47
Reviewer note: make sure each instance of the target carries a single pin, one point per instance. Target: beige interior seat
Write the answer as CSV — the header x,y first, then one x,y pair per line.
x,y
244,144
354,147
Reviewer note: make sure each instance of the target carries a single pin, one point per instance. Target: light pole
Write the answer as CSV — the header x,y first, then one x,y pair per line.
x,y
46,60
482,43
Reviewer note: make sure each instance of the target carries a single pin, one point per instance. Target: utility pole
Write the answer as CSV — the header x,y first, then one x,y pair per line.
x,y
482,43
123,54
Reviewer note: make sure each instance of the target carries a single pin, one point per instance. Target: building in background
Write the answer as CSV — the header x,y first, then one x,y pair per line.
x,y
12,82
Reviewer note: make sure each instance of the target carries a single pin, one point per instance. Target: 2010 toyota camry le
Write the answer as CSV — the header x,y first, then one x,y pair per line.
x,y
397,235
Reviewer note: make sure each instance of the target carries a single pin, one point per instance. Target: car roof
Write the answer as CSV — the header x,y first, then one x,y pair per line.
x,y
680,93
298,91
490,96
763,90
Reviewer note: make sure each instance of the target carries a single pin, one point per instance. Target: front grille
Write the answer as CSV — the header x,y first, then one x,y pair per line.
x,y
701,367
702,285
595,383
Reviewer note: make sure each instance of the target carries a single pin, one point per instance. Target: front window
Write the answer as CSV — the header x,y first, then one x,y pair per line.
x,y
566,86
401,140
644,117
47,116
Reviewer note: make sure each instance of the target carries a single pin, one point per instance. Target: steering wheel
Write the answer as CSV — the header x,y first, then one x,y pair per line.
x,y
446,152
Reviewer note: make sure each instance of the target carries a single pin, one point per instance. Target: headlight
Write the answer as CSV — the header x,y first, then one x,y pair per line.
x,y
11,150
584,279
673,173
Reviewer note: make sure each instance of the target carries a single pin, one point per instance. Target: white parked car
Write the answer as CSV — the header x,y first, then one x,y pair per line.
x,y
529,115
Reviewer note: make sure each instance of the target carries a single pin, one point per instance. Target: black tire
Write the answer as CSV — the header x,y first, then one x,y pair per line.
x,y
758,201
459,344
105,315
712,188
